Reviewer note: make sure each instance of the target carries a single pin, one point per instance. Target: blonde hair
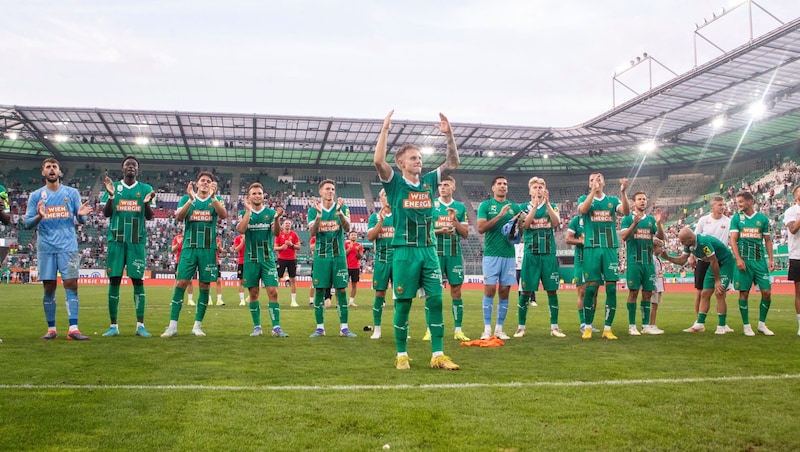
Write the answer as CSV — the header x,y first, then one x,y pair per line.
x,y
536,180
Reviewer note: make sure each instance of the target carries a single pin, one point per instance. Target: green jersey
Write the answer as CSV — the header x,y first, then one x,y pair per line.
x,y
383,244
751,231
4,205
576,226
200,224
494,242
330,236
258,238
127,222
539,238
600,223
448,244
708,246
639,246
412,206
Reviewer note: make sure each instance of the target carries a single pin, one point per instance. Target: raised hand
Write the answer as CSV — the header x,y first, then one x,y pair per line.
x,y
452,213
317,206
339,204
149,197
190,191
504,210
85,209
387,121
279,212
444,127
109,185
623,184
40,208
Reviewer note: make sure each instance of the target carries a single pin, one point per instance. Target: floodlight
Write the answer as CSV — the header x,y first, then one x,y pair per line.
x,y
490,153
427,150
648,146
142,141
12,135
718,122
757,109
60,138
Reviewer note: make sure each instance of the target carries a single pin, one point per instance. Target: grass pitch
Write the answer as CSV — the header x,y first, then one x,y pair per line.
x,y
229,391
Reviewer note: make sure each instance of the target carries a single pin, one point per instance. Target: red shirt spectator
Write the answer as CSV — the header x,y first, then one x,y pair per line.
x,y
236,243
354,252
287,235
177,247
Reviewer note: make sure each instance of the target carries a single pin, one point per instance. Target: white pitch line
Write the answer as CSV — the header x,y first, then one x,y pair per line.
x,y
533,384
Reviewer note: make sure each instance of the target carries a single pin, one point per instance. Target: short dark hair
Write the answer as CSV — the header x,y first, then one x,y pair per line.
x,y
50,160
639,193
746,195
327,181
130,157
494,181
206,173
254,185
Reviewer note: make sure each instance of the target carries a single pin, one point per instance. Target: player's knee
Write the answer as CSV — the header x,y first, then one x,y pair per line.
x,y
116,280
434,302
137,282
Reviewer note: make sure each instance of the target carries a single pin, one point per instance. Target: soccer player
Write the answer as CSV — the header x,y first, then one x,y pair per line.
x,y
791,219
199,211
750,238
218,282
638,230
600,261
720,262
5,211
655,300
53,210
127,206
498,256
238,248
354,252
258,224
450,226
381,232
415,264
539,262
177,247
327,221
287,243
715,224
574,237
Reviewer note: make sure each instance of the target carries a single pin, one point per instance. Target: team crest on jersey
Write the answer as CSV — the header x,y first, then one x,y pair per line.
x,y
399,290
436,203
758,223
610,205
44,194
316,282
244,282
138,195
119,188
426,186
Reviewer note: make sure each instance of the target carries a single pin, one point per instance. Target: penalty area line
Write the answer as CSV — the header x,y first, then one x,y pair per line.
x,y
267,388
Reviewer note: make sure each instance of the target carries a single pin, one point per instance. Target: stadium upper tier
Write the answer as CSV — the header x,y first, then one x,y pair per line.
x,y
742,103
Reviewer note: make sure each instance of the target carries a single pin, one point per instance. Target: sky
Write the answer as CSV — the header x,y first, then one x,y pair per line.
x,y
543,63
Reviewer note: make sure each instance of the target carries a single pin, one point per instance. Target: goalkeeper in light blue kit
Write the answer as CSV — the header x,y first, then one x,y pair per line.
x,y
53,210
127,205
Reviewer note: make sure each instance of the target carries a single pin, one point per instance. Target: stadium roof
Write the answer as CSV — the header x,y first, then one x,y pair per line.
x,y
675,120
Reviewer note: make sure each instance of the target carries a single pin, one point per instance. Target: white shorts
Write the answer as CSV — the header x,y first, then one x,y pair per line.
x,y
655,298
